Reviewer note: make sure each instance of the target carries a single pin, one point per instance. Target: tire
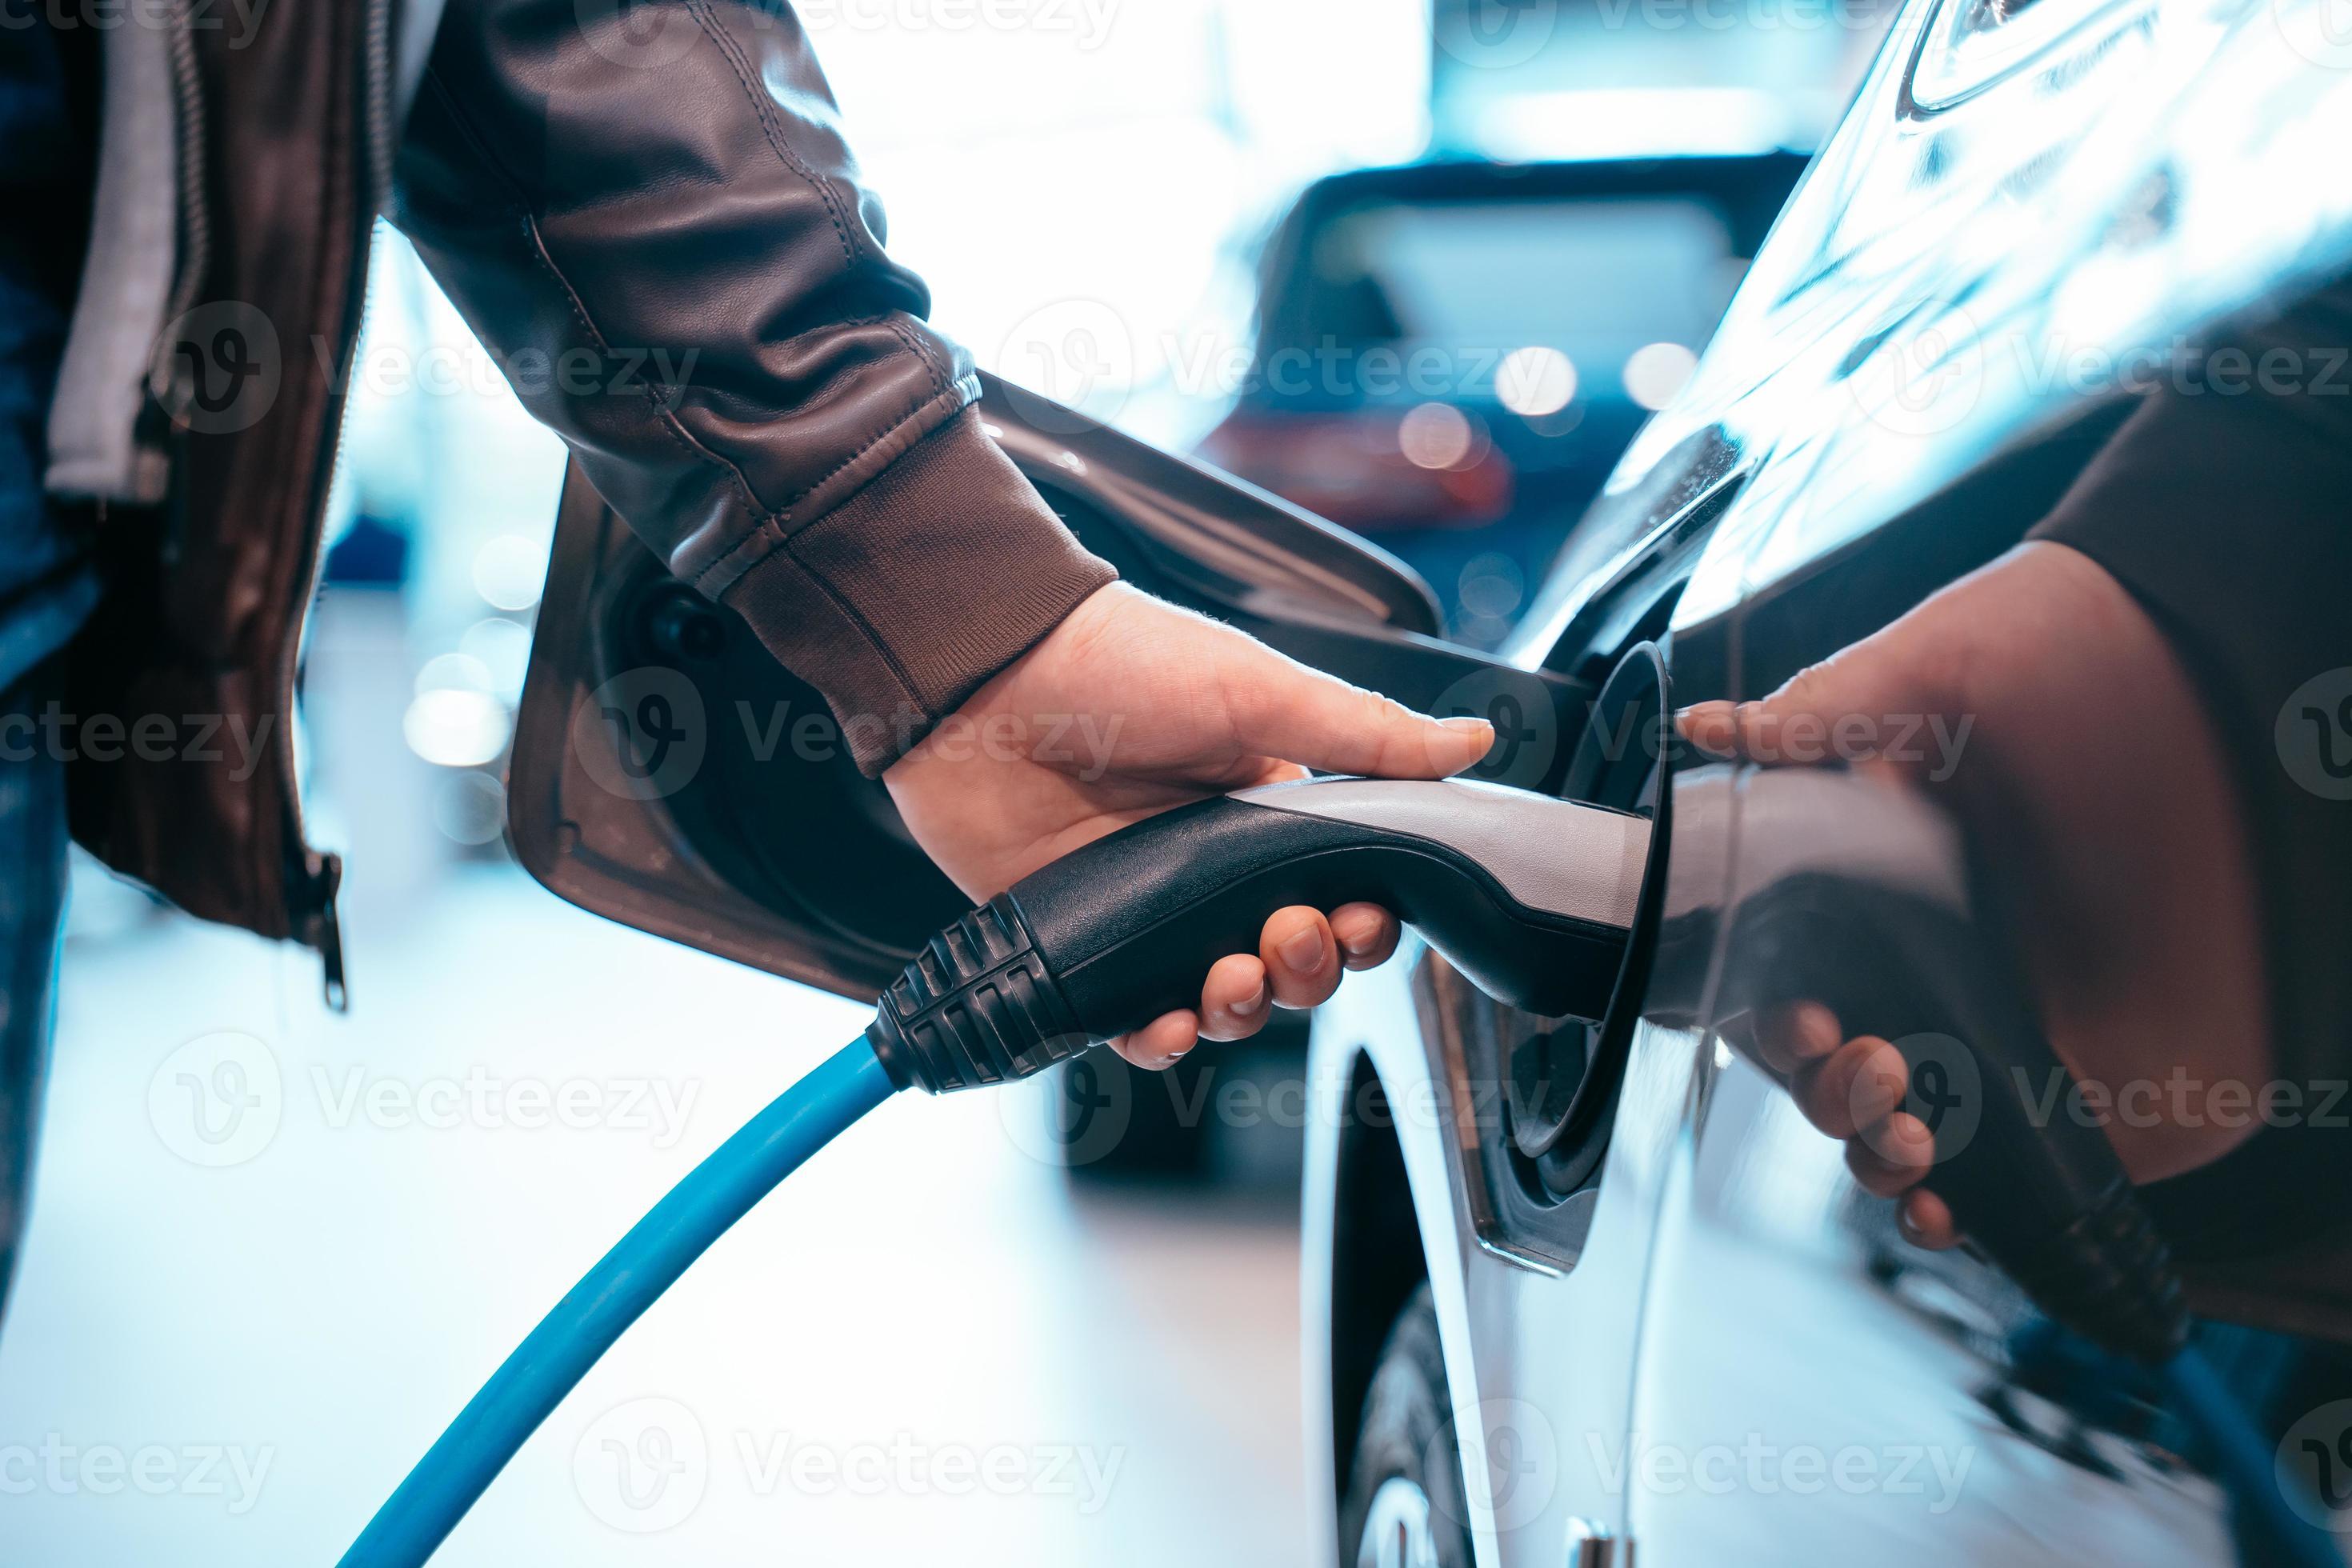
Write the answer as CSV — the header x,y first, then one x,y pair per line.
x,y
1403,1507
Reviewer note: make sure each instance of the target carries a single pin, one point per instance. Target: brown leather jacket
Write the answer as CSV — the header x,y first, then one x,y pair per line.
x,y
651,204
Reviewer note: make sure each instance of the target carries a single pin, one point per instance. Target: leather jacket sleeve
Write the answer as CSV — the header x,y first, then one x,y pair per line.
x,y
648,212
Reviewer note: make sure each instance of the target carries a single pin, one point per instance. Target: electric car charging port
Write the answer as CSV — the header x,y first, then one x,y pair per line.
x,y
1540,1093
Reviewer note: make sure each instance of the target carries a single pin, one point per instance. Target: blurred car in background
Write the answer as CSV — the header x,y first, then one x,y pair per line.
x,y
1451,355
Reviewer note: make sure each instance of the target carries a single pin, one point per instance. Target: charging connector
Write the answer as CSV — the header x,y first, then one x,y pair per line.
x,y
1533,897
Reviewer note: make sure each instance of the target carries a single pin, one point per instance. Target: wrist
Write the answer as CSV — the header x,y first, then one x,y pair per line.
x,y
918,590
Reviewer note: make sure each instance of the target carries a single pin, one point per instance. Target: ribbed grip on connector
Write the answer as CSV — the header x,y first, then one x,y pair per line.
x,y
2108,1276
978,1005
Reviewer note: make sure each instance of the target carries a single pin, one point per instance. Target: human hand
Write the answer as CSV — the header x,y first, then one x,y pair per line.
x,y
2075,753
1129,707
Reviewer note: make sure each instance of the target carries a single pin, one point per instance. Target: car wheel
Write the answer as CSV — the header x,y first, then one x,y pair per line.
x,y
1404,1503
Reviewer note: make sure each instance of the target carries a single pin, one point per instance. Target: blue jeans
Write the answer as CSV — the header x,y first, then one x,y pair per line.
x,y
46,583
32,908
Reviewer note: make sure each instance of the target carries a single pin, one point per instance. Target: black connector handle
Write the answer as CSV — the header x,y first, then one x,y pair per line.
x,y
1531,896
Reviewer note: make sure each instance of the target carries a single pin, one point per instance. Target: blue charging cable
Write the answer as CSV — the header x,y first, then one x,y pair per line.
x,y
459,1468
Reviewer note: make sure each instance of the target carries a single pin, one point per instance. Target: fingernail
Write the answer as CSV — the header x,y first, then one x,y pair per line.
x,y
1304,951
1356,946
1464,723
1248,1005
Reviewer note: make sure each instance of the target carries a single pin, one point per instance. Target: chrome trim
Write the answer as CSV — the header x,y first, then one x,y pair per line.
x,y
1397,1532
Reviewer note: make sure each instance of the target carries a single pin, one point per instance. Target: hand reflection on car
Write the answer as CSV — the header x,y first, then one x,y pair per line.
x,y
2091,780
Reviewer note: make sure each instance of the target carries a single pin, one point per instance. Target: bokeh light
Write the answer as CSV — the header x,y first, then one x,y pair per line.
x,y
452,728
1655,373
508,571
1435,435
1535,381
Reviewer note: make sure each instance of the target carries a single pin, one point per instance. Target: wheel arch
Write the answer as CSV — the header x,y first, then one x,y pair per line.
x,y
1377,1254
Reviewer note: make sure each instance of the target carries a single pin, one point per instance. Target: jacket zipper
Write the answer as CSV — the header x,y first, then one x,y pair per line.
x,y
322,873
169,386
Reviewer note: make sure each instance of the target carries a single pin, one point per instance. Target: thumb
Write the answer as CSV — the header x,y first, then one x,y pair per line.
x,y
1842,708
1282,709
